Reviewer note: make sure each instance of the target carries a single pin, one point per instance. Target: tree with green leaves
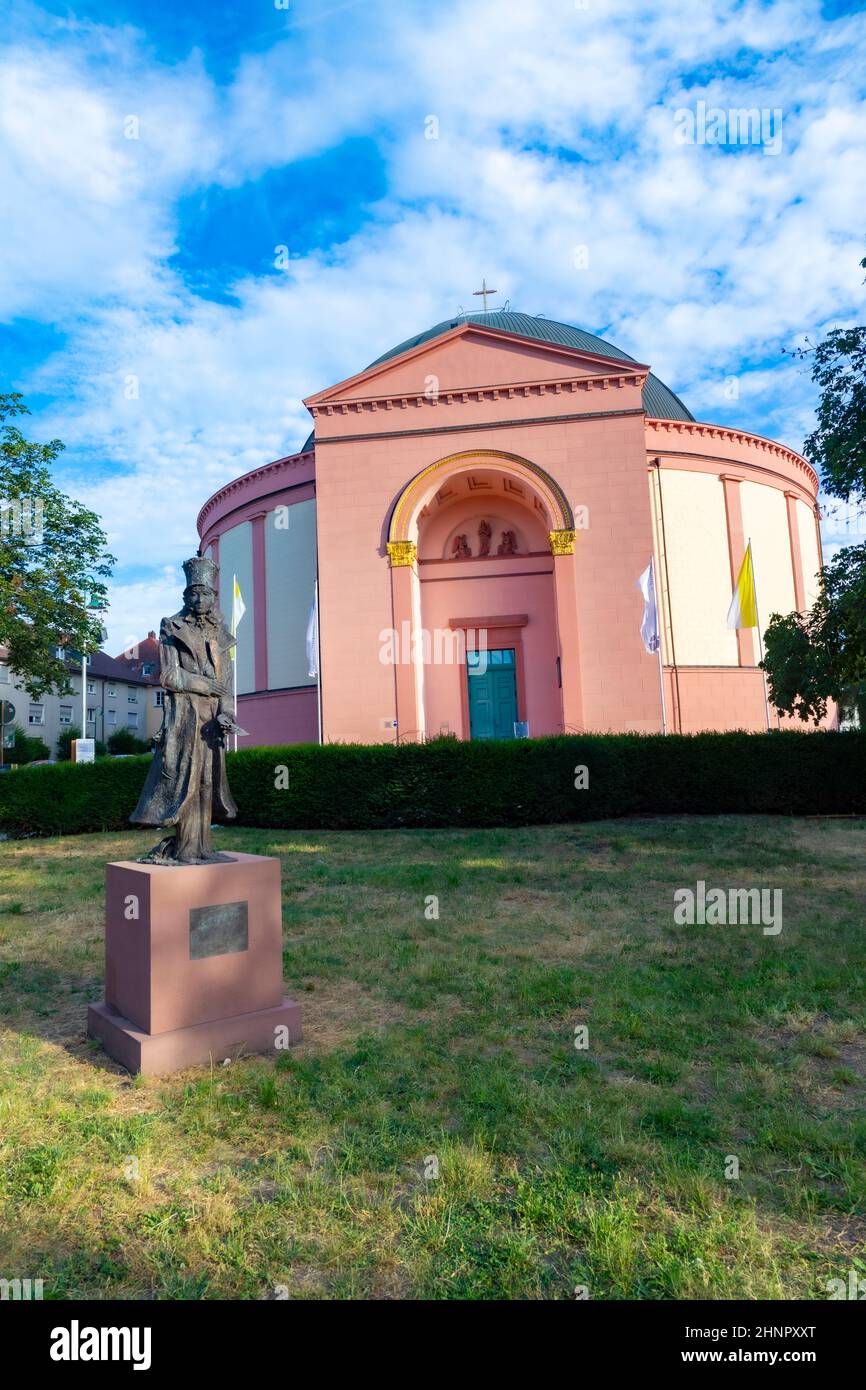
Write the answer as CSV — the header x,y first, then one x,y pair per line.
x,y
24,748
820,655
53,561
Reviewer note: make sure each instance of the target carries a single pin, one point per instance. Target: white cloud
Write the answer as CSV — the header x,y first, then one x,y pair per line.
x,y
703,262
158,596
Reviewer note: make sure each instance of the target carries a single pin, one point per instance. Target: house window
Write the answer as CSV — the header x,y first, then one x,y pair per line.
x,y
91,716
132,698
91,687
65,714
112,690
112,716
147,668
159,698
4,673
36,714
132,719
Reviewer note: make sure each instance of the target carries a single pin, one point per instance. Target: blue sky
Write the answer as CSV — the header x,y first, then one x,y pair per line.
x,y
151,260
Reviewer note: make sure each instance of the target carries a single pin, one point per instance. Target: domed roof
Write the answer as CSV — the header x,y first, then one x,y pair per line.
x,y
659,400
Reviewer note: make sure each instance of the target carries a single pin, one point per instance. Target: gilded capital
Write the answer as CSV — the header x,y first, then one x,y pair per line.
x,y
402,553
561,542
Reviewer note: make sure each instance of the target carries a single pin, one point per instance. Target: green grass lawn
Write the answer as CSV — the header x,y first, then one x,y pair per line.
x,y
449,1044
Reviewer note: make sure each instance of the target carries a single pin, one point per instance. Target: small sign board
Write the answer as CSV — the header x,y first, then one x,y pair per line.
x,y
83,750
7,711
218,931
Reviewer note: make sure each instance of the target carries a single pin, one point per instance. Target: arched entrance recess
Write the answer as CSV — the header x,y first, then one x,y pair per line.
x,y
481,545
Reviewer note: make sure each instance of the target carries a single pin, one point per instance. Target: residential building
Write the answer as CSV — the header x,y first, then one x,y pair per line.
x,y
116,698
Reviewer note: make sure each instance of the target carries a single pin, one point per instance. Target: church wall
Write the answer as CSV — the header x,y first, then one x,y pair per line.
x,y
698,569
466,363
601,465
525,592
355,487
765,520
280,716
265,522
721,698
595,443
599,462
762,480
236,558
290,570
809,551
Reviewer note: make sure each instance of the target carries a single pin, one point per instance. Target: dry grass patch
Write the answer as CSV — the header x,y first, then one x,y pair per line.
x,y
453,1039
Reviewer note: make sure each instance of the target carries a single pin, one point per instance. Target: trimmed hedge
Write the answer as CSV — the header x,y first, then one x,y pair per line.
x,y
450,783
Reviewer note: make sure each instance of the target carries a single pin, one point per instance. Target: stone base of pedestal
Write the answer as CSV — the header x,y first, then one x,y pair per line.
x,y
193,964
268,1030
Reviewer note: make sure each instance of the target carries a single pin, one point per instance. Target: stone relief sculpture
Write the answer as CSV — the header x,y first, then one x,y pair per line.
x,y
460,548
485,533
508,544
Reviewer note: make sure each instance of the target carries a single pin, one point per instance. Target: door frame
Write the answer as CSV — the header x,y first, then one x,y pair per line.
x,y
503,631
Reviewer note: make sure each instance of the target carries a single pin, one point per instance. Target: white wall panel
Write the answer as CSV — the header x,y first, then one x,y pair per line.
x,y
699,569
290,558
809,551
236,558
765,520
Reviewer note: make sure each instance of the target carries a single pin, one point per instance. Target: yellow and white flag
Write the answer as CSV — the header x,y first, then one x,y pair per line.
x,y
743,611
238,609
238,605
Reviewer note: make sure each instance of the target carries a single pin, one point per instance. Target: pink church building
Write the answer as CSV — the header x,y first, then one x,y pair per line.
x,y
477,506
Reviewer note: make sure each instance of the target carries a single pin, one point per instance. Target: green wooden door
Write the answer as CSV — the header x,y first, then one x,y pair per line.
x,y
492,681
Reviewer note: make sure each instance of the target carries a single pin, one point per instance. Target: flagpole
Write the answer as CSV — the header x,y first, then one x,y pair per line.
x,y
760,639
235,691
662,689
235,657
661,663
318,662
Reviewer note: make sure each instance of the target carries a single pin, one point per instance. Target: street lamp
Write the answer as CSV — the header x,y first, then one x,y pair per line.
x,y
95,605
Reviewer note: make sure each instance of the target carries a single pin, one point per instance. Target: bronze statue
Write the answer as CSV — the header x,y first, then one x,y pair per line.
x,y
186,784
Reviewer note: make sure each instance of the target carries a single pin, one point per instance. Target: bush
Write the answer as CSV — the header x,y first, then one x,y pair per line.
x,y
64,744
451,783
25,749
125,741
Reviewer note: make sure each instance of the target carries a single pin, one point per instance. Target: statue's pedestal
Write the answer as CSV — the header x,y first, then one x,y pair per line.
x,y
193,964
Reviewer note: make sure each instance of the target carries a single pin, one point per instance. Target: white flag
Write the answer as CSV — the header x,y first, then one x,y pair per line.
x,y
649,628
313,635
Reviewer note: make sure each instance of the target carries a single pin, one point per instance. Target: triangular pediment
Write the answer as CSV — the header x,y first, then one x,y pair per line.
x,y
472,357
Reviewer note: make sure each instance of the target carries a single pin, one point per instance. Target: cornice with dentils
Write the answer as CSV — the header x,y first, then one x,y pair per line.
x,y
692,428
243,483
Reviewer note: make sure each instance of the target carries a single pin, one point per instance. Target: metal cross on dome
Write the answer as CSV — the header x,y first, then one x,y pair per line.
x,y
485,292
